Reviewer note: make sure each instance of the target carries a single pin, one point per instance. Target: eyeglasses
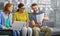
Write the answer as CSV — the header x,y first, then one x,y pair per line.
x,y
23,8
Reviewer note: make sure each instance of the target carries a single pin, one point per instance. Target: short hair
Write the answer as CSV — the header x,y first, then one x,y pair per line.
x,y
34,4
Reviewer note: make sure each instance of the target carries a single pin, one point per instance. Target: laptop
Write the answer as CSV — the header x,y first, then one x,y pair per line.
x,y
17,25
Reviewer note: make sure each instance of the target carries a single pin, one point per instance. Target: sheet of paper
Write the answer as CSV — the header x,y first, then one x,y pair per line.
x,y
40,17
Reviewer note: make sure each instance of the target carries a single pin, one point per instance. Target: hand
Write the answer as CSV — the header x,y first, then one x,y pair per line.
x,y
39,24
26,26
4,27
46,18
10,28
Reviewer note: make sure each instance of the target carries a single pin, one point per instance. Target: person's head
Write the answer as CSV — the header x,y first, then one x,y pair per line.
x,y
8,8
34,7
21,7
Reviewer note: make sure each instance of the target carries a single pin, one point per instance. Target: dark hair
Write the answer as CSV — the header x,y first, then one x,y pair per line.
x,y
34,4
20,5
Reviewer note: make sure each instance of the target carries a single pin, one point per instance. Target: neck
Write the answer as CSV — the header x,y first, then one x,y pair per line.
x,y
7,14
21,12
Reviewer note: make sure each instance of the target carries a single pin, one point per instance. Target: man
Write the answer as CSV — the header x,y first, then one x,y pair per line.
x,y
38,26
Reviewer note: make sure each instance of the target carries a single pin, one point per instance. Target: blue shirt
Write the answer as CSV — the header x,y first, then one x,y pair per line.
x,y
3,20
32,16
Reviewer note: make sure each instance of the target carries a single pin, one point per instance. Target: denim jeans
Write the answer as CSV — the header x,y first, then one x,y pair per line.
x,y
16,33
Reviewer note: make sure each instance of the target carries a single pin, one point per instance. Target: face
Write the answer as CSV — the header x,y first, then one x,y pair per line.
x,y
10,8
22,9
35,8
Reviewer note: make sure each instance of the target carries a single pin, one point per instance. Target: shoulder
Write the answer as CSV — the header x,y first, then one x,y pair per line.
x,y
41,12
25,13
31,14
1,13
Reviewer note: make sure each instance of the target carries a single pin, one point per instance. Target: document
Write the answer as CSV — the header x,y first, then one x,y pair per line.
x,y
40,17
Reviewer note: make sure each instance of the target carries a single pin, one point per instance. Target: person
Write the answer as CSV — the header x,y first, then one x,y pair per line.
x,y
38,26
22,16
6,18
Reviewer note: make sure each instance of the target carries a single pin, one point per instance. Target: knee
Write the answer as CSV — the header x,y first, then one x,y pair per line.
x,y
14,31
24,29
18,32
36,29
49,30
29,29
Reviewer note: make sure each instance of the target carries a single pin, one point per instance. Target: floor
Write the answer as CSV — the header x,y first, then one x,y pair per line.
x,y
4,35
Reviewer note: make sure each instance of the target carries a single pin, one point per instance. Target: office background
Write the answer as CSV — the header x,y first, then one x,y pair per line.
x,y
52,7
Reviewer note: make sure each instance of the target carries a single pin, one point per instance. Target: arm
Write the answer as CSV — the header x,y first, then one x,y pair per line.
x,y
1,25
45,16
36,25
33,22
27,21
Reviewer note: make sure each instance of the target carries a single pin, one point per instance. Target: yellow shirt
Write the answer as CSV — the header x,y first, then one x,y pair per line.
x,y
20,17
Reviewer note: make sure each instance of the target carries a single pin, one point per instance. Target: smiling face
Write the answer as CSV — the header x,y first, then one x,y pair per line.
x,y
10,8
34,8
22,9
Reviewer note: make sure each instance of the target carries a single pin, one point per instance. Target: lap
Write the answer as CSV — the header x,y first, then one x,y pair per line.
x,y
43,28
25,28
36,29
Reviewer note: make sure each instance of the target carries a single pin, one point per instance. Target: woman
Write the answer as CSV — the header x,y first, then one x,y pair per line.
x,y
22,16
6,18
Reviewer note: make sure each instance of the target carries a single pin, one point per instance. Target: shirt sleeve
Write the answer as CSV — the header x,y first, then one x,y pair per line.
x,y
30,17
1,26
